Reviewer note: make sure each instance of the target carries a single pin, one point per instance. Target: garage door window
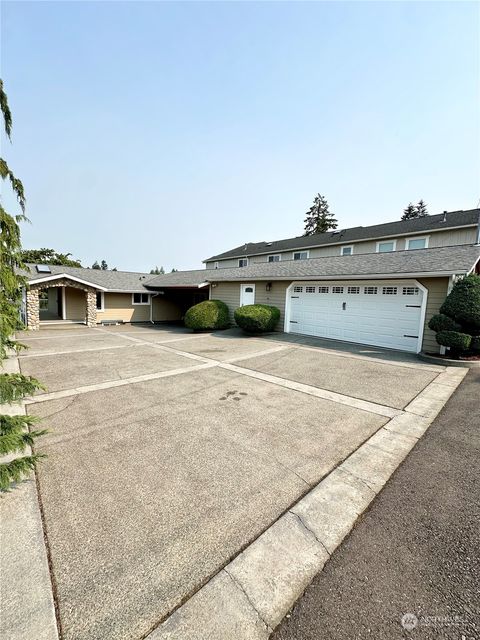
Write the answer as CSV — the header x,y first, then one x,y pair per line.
x,y
370,290
337,289
309,289
389,291
298,289
410,291
353,290
323,289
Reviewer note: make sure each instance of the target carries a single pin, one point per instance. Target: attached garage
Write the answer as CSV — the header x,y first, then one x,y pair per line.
x,y
386,313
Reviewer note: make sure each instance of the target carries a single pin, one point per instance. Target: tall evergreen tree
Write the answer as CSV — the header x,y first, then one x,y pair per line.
x,y
157,271
16,433
421,209
319,219
95,265
104,266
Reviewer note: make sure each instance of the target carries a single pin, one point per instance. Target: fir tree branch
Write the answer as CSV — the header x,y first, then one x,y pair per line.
x,y
15,386
15,470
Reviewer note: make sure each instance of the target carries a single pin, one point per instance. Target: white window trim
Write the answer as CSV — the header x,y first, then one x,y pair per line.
x,y
102,298
301,251
426,238
137,304
274,255
346,246
386,242
245,265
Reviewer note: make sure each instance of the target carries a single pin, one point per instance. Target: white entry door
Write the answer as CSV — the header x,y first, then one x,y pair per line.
x,y
384,313
247,294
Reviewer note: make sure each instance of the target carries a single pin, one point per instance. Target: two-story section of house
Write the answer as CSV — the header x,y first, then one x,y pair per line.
x,y
376,285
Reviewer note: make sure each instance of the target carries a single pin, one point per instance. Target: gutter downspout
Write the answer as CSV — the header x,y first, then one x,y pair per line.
x,y
152,296
451,282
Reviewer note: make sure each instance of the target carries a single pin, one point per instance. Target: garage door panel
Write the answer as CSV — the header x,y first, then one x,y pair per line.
x,y
378,313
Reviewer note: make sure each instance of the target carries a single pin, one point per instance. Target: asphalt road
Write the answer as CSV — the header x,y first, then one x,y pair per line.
x,y
417,549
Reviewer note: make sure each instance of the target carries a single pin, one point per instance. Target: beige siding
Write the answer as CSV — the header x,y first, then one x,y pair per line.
x,y
118,306
76,304
437,292
165,310
229,292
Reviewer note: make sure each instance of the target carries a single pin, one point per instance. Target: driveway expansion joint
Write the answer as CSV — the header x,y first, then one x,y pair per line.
x,y
304,525
239,586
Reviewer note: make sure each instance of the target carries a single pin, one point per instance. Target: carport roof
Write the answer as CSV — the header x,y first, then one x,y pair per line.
x,y
419,262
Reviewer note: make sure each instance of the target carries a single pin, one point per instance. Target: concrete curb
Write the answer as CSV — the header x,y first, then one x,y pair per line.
x,y
447,362
249,597
27,607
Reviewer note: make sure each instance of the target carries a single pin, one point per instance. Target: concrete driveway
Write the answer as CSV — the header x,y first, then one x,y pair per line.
x,y
170,452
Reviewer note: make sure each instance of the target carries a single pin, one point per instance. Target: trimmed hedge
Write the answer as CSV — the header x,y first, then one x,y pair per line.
x,y
458,342
441,322
463,302
209,314
257,318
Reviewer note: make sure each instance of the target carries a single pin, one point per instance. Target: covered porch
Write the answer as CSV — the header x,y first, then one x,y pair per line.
x,y
61,301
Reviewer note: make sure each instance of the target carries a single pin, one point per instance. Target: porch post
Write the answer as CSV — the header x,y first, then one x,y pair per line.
x,y
91,308
33,310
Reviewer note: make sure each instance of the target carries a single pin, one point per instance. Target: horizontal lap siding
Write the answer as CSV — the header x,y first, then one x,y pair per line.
x,y
75,303
165,310
437,292
118,306
229,293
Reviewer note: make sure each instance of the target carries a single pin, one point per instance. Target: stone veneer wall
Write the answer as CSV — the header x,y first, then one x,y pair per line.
x,y
33,302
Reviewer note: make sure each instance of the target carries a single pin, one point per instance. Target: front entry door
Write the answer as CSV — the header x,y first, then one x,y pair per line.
x,y
247,294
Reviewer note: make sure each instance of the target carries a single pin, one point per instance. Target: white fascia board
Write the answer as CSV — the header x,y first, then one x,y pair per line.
x,y
365,276
59,276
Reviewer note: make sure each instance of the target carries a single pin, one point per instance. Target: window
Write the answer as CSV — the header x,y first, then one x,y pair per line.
x,y
300,255
370,290
337,289
215,265
417,243
275,258
309,289
410,291
385,247
323,289
140,298
100,301
353,290
298,289
389,291
243,262
346,251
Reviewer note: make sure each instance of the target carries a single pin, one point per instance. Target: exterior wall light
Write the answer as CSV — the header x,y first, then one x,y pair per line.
x,y
268,286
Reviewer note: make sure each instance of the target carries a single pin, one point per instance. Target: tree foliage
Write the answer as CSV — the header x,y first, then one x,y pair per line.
x,y
156,271
413,211
16,434
319,219
49,256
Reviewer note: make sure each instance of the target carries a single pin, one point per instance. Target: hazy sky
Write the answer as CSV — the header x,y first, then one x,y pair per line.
x,y
154,133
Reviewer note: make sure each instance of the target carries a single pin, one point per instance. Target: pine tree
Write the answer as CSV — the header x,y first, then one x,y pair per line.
x,y
421,209
104,265
415,211
16,434
319,219
157,271
95,265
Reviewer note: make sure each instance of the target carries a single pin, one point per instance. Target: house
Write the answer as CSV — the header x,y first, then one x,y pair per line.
x,y
376,285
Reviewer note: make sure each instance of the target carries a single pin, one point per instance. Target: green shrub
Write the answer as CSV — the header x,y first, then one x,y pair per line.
x,y
475,345
209,314
256,318
457,341
441,322
463,302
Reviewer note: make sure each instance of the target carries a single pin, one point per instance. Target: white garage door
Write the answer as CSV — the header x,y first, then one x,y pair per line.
x,y
384,313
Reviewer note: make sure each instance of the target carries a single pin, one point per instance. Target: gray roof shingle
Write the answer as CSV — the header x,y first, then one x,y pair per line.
x,y
442,260
112,280
179,279
344,236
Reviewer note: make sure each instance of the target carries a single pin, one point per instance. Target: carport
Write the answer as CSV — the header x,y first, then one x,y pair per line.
x,y
174,293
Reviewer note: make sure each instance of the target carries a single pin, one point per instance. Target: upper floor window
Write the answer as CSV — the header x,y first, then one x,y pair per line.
x,y
243,262
300,255
417,243
385,247
140,298
347,250
275,258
